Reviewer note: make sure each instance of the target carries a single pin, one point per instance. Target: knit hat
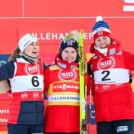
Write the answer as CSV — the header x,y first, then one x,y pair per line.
x,y
101,28
68,43
26,40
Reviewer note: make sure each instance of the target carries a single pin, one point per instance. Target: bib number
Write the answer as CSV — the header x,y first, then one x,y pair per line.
x,y
35,81
106,74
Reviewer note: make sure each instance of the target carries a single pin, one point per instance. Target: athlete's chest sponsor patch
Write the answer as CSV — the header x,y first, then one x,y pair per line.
x,y
66,87
67,75
106,63
32,69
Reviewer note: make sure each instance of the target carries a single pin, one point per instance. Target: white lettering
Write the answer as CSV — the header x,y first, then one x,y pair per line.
x,y
61,36
65,87
56,36
92,114
48,36
122,129
67,75
35,34
41,36
65,98
106,63
129,7
33,69
129,1
3,120
4,111
87,36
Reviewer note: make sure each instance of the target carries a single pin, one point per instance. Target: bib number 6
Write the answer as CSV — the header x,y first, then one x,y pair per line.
x,y
35,81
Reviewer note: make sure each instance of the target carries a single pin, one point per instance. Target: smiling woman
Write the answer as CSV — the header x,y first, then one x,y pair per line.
x,y
62,87
110,70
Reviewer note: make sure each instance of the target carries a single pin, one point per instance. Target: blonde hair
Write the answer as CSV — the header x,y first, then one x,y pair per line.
x,y
16,54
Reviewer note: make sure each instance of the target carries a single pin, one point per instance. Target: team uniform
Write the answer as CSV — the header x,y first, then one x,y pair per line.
x,y
62,86
113,96
27,108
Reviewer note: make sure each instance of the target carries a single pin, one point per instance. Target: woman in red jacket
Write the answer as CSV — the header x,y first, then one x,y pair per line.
x,y
113,96
62,86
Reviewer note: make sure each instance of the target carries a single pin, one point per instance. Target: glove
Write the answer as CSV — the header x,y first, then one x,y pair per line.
x,y
73,34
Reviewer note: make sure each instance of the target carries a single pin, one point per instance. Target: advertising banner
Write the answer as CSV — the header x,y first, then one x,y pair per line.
x,y
51,20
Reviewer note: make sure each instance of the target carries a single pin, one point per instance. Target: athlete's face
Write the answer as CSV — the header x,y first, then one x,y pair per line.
x,y
32,49
69,54
102,42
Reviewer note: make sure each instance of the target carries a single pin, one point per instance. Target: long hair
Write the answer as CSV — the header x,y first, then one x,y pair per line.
x,y
16,54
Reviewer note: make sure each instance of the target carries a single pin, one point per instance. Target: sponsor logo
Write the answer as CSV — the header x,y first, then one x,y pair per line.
x,y
65,86
106,87
119,84
122,129
67,75
129,7
32,69
106,63
36,95
69,98
91,111
24,95
100,33
70,43
93,114
96,87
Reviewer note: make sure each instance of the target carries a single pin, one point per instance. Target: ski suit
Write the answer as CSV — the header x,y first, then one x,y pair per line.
x,y
62,86
112,92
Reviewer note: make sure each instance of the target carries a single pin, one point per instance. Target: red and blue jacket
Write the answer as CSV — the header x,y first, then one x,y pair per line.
x,y
27,85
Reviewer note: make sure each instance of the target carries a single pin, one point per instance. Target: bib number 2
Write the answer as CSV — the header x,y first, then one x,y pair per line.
x,y
106,73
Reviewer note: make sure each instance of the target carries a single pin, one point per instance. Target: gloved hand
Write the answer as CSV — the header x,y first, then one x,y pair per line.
x,y
73,34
